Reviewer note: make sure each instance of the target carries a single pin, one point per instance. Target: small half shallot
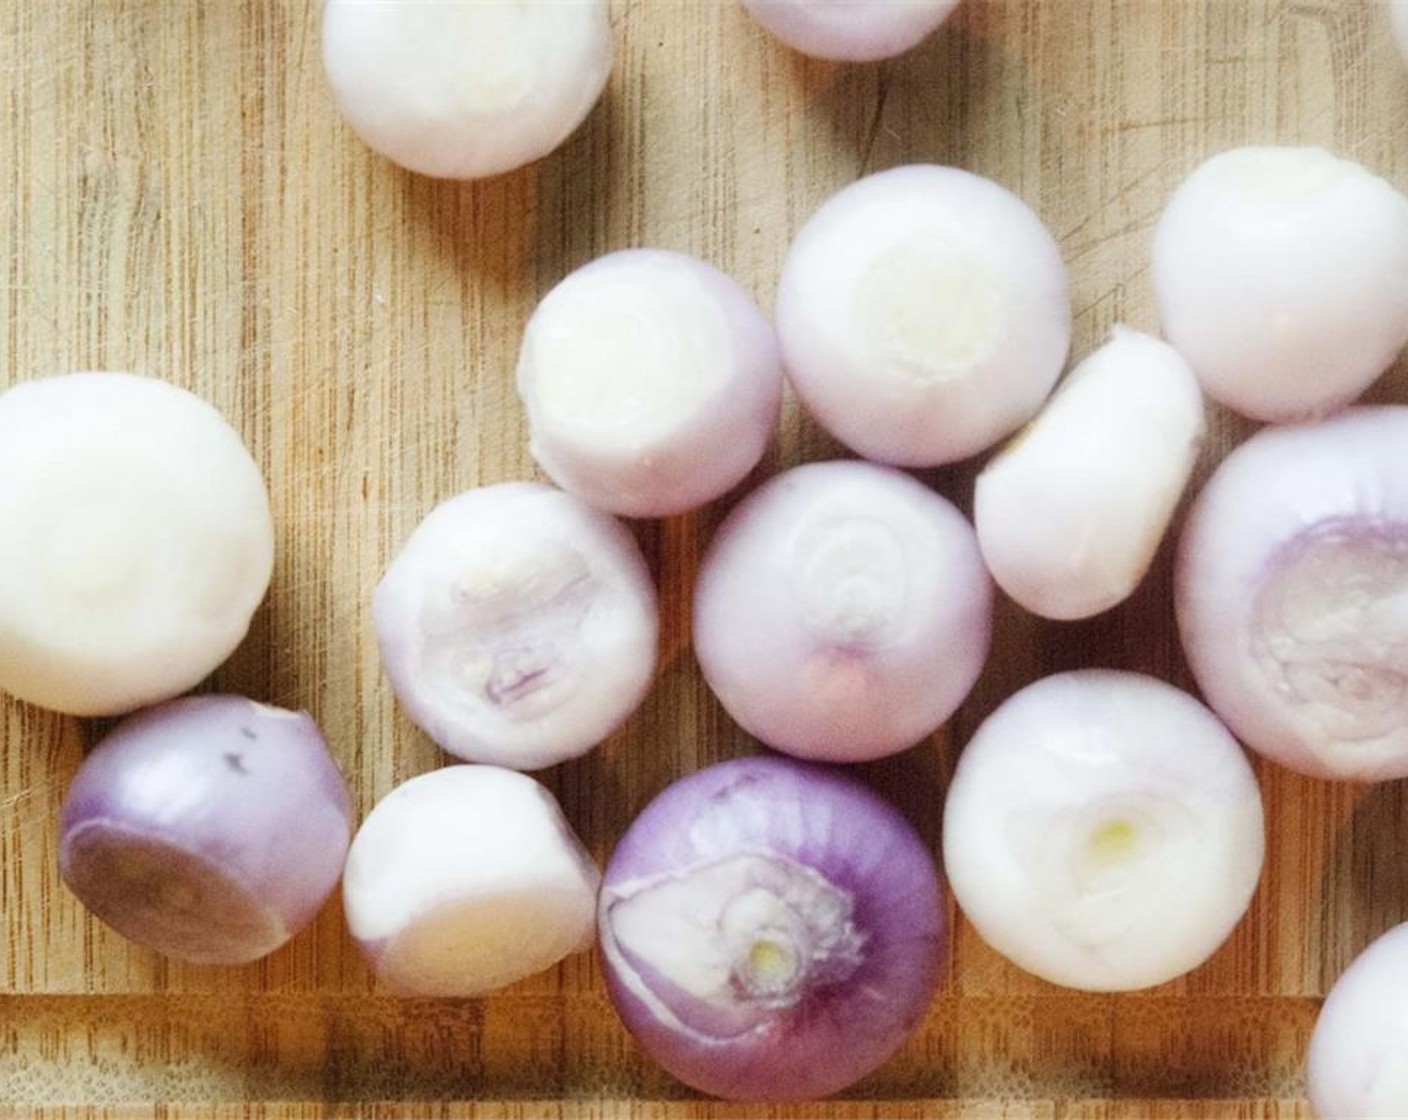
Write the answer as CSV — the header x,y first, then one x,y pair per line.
x,y
466,879
1070,514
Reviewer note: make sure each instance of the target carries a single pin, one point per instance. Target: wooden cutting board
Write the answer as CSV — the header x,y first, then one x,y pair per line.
x,y
182,200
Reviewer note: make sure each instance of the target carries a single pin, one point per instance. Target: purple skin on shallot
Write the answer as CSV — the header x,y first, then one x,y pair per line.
x,y
771,930
210,829
842,612
1291,582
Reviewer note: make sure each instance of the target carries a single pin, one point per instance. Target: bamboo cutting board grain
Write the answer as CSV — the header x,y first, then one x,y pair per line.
x,y
183,201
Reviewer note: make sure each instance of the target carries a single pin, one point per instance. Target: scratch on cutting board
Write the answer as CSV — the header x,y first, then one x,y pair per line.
x,y
1122,127
882,95
1140,224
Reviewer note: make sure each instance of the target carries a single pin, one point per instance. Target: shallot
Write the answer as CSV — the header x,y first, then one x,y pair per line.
x,y
1069,516
1103,830
652,383
464,89
466,879
1358,1062
842,611
210,829
136,541
924,314
518,626
1399,11
851,30
1291,579
771,930
1279,276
